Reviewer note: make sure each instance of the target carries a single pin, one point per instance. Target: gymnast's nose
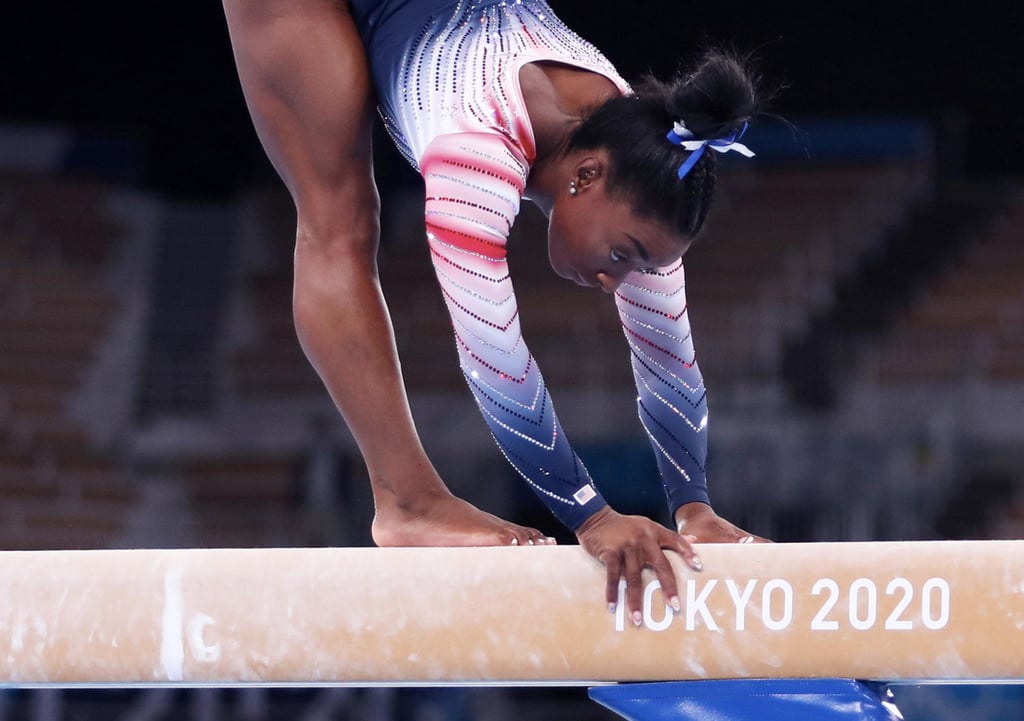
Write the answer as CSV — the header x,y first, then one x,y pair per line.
x,y
609,282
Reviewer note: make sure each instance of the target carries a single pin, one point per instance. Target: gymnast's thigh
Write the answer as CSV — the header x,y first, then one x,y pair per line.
x,y
306,81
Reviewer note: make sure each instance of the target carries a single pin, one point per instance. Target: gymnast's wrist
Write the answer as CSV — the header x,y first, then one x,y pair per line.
x,y
593,519
688,512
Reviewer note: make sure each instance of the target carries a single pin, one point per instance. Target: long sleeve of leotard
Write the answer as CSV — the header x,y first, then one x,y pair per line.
x,y
671,398
474,183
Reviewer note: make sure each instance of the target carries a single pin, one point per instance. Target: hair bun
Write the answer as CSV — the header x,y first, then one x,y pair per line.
x,y
714,100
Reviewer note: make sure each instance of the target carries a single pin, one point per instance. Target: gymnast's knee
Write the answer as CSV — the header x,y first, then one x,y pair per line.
x,y
348,236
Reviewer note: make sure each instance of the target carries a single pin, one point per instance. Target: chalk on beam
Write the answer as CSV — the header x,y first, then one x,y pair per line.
x,y
888,611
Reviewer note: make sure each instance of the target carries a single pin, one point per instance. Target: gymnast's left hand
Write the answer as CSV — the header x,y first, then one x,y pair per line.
x,y
699,523
628,544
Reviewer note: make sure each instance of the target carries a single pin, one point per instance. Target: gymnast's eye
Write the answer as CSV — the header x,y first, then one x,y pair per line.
x,y
617,257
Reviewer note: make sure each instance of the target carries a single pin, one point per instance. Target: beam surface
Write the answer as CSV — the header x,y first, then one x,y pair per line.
x,y
931,610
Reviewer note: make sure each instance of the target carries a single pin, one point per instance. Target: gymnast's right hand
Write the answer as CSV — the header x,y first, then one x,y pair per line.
x,y
628,544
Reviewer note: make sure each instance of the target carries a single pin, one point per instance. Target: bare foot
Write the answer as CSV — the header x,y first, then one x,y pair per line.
x,y
444,520
701,524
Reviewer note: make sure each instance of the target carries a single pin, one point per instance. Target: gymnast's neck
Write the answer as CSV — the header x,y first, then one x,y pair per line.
x,y
558,97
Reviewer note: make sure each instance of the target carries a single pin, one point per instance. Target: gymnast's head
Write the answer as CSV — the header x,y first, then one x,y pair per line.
x,y
645,177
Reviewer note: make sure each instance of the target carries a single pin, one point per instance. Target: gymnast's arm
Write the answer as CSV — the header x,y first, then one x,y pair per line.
x,y
671,397
473,187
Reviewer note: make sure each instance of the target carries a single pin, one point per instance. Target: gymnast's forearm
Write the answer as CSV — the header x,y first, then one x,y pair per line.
x,y
671,398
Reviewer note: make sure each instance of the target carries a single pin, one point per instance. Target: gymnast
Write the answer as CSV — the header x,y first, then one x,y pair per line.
x,y
494,101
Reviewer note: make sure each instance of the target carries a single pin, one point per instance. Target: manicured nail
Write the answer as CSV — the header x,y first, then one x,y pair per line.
x,y
515,542
551,541
530,542
637,618
674,602
611,607
697,565
748,539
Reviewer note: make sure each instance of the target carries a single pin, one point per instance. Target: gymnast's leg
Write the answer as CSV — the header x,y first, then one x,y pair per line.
x,y
306,81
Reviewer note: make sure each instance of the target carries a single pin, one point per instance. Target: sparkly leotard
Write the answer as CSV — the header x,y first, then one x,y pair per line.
x,y
447,76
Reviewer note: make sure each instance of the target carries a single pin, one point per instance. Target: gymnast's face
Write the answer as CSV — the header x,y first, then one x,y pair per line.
x,y
595,240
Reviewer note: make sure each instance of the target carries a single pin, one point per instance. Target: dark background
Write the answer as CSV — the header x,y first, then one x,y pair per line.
x,y
162,73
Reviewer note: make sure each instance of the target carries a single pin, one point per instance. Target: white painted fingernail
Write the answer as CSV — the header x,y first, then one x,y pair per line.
x,y
676,606
515,542
748,539
530,542
696,563
637,618
611,607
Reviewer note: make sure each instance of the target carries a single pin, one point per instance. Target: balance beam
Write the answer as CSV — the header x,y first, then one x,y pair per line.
x,y
890,611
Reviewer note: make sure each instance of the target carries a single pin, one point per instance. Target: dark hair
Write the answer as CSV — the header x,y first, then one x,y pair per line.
x,y
714,100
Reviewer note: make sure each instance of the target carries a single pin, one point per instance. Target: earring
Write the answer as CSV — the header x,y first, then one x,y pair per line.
x,y
572,188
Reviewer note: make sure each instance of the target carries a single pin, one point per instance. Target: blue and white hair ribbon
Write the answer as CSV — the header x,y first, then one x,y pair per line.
x,y
683,136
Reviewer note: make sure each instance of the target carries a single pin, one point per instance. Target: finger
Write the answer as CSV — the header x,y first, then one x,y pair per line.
x,y
681,544
613,570
666,577
746,537
739,535
735,534
634,583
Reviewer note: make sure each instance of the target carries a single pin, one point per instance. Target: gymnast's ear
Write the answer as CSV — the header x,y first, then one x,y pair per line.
x,y
591,169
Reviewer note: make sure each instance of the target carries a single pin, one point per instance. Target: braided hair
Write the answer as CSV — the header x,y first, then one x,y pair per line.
x,y
715,100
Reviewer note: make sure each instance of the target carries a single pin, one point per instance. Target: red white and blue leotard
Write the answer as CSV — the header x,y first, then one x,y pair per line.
x,y
447,76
